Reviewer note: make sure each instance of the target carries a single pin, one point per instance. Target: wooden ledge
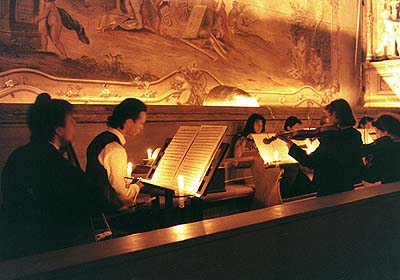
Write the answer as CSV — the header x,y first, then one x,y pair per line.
x,y
161,241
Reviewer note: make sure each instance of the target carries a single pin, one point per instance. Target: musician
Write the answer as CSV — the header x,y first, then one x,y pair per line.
x,y
107,157
47,200
365,122
337,160
379,155
254,124
292,123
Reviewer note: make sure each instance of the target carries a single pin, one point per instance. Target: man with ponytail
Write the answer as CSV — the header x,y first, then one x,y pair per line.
x,y
107,157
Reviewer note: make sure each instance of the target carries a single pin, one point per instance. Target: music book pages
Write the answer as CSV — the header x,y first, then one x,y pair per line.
x,y
199,157
189,154
368,135
277,151
173,155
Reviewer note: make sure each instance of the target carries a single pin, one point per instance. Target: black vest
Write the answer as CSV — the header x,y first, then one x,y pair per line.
x,y
108,198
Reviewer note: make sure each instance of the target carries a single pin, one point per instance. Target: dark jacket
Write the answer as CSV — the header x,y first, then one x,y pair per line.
x,y
109,199
382,156
47,201
336,162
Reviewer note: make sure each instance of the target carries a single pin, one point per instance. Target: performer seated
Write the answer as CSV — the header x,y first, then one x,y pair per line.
x,y
107,158
294,182
254,124
47,200
336,161
292,123
379,157
365,122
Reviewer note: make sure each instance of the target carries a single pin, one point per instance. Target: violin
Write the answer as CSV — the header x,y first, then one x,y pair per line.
x,y
303,134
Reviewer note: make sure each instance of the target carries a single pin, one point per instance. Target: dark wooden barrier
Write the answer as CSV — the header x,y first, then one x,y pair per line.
x,y
352,235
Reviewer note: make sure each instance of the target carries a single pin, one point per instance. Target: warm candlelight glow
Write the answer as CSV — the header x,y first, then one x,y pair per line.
x,y
129,169
276,155
149,154
181,183
181,188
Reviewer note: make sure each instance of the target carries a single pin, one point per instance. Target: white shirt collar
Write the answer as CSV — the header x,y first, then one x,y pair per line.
x,y
120,136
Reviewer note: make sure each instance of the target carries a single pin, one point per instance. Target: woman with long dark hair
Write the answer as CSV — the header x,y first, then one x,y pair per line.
x,y
254,124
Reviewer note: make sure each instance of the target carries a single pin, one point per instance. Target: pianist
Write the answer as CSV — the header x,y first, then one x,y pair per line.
x,y
107,157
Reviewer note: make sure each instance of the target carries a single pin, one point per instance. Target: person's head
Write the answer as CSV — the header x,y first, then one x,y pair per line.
x,y
255,124
323,121
33,115
365,122
387,125
292,123
51,120
129,116
339,113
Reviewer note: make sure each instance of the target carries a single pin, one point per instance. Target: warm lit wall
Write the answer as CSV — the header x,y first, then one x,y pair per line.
x,y
280,52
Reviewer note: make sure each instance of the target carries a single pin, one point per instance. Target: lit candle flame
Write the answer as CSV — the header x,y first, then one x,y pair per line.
x,y
149,153
181,188
129,169
276,155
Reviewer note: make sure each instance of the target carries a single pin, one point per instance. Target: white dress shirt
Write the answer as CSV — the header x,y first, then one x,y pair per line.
x,y
114,159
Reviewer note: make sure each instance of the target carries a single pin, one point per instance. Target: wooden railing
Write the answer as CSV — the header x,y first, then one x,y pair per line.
x,y
351,235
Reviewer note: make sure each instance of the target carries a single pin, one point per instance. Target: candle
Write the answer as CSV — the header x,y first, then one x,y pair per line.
x,y
149,153
181,188
129,169
276,155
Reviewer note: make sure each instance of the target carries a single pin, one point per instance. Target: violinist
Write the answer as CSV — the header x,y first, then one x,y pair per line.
x,y
292,123
337,161
254,124
378,156
294,180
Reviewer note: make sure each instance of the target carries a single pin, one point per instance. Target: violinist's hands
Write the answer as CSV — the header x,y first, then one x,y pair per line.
x,y
289,142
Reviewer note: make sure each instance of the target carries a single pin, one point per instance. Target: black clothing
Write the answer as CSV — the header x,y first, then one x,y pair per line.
x,y
336,162
47,202
382,156
109,199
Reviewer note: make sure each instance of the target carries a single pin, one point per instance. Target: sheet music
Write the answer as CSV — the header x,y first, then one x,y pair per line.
x,y
189,154
277,151
367,135
173,156
199,157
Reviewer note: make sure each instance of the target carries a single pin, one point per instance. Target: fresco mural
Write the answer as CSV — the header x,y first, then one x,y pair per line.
x,y
382,41
170,51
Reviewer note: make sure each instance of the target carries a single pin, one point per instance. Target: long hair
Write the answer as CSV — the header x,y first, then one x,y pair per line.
x,y
249,127
343,112
130,108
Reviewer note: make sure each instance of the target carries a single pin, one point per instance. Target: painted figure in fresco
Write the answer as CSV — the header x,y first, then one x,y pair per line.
x,y
316,70
50,24
233,15
134,8
391,35
220,27
299,58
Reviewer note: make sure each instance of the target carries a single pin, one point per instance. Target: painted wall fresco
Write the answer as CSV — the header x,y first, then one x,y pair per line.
x,y
170,51
382,44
